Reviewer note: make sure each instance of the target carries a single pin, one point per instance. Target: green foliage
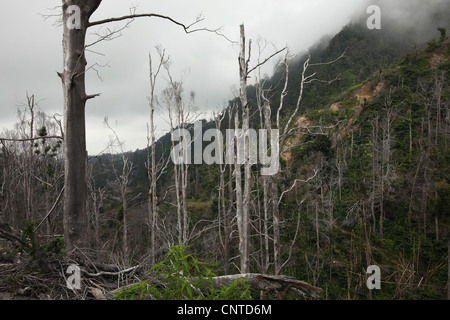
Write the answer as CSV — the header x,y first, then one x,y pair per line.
x,y
42,132
56,246
28,237
198,210
180,276
320,143
324,117
350,102
354,88
443,32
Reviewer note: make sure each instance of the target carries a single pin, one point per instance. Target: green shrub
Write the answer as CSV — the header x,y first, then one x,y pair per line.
x,y
180,276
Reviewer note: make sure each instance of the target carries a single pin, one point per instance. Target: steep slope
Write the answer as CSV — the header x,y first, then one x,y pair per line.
x,y
384,190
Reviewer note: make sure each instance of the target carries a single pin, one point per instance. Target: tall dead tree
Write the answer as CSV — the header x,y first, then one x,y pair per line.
x,y
243,217
151,156
224,215
76,15
287,130
244,196
75,97
123,178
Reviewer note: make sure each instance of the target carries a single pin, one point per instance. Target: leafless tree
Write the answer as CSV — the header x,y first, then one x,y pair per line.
x,y
76,16
286,131
224,212
152,166
181,112
97,195
123,178
32,170
243,197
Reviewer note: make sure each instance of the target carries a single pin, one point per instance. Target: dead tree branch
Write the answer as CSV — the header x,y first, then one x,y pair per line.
x,y
187,28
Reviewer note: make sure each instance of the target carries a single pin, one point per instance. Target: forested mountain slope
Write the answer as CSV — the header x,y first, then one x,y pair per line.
x,y
382,196
381,193
363,177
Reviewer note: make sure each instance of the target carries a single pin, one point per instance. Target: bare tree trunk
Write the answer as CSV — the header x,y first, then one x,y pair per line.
x,y
152,207
266,185
244,236
125,221
375,173
177,191
169,92
276,223
30,158
184,183
228,230
239,202
368,250
75,97
222,203
183,173
151,159
124,181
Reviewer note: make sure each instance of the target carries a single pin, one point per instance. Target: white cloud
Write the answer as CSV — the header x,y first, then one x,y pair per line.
x,y
31,54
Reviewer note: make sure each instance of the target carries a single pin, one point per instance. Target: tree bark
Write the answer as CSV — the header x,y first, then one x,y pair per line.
x,y
75,97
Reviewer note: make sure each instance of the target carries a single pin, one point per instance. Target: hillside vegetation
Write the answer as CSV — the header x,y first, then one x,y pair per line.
x,y
369,149
382,192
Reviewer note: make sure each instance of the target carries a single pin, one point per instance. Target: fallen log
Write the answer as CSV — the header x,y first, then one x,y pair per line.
x,y
270,283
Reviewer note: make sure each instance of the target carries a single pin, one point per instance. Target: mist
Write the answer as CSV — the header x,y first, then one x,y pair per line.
x,y
414,21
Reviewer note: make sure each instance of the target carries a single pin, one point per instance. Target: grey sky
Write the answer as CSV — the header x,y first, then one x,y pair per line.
x,y
31,55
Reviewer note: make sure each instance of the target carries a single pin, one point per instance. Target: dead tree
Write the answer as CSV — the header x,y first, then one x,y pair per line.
x,y
151,156
76,22
173,104
31,169
224,213
181,111
123,178
243,196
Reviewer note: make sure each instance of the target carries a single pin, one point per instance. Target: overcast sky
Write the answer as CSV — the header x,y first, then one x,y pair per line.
x,y
31,54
